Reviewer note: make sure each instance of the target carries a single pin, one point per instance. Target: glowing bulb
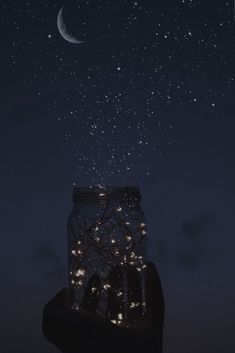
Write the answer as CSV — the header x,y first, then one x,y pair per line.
x,y
106,286
113,241
96,228
93,289
142,225
128,238
119,209
119,294
97,239
80,283
73,252
133,255
101,194
120,317
127,223
80,272
114,321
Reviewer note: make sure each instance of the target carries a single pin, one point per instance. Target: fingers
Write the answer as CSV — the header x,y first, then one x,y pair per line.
x,y
134,295
92,294
60,300
154,296
115,302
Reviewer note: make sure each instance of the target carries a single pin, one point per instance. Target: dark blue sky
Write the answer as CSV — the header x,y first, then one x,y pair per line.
x,y
147,100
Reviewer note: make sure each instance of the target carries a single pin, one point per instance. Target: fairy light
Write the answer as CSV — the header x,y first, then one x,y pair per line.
x,y
80,283
101,194
97,239
142,225
120,316
133,255
128,238
96,228
119,294
119,209
106,286
113,241
127,223
93,289
80,272
134,305
74,252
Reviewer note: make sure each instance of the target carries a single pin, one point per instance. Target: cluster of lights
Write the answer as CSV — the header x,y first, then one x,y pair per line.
x,y
97,238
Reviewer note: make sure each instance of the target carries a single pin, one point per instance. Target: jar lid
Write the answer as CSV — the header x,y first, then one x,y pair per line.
x,y
120,193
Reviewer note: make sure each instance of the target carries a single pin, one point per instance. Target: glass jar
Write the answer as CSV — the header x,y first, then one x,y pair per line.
x,y
107,231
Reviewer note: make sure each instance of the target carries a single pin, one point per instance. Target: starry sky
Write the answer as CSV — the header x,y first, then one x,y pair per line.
x,y
147,99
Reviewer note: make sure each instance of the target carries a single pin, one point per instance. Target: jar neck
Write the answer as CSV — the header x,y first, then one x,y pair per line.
x,y
106,195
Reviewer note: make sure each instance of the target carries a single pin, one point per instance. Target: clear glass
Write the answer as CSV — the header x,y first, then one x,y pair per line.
x,y
106,228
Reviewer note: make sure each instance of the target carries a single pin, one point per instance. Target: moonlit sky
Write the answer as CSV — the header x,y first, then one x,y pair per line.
x,y
147,100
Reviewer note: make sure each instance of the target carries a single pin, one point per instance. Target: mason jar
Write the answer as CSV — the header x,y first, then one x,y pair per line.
x,y
106,233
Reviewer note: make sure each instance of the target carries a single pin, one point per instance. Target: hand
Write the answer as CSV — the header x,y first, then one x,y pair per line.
x,y
75,331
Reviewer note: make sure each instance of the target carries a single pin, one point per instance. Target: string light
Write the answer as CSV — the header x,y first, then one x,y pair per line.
x,y
80,272
101,194
120,316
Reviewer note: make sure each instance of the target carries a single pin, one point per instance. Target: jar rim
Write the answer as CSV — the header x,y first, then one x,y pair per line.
x,y
103,193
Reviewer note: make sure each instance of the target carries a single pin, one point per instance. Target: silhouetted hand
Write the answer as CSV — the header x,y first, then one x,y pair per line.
x,y
83,331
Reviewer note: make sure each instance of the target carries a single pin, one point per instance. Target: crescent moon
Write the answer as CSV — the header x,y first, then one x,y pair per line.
x,y
63,29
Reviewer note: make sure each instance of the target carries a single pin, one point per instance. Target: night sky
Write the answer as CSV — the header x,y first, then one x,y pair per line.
x,y
146,99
